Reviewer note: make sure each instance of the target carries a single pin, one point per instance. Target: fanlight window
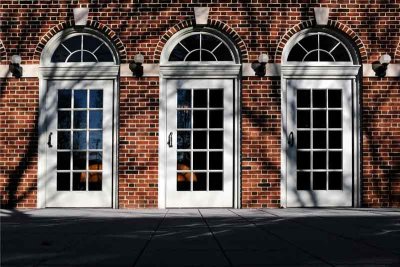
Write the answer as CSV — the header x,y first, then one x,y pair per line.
x,y
82,48
201,47
319,47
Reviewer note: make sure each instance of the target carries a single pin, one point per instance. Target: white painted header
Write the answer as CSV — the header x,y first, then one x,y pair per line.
x,y
153,70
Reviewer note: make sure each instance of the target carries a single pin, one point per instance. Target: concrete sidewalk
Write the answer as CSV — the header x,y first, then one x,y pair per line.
x,y
201,237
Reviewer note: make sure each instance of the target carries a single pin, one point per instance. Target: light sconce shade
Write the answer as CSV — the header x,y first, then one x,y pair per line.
x,y
260,66
136,66
380,66
15,66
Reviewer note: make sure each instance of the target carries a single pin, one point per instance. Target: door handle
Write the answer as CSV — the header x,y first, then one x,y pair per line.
x,y
169,143
49,141
291,139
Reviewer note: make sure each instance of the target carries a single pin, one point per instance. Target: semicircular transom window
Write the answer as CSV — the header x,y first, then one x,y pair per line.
x,y
319,47
82,48
201,47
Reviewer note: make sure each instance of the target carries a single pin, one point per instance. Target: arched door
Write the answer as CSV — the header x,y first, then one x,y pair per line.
x,y
197,137
319,122
77,136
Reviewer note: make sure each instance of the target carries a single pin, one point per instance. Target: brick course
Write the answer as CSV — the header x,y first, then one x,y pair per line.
x,y
254,26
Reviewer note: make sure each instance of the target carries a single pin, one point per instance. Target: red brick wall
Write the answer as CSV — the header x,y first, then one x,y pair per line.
x,y
19,100
255,26
381,142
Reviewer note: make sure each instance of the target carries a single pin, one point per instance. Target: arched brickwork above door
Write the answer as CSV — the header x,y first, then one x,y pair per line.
x,y
333,24
3,53
215,24
397,54
110,34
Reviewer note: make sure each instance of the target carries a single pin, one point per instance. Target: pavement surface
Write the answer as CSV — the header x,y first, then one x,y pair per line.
x,y
200,237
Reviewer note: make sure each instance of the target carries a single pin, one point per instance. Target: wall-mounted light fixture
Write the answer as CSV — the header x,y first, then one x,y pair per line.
x,y
260,66
136,66
15,66
381,66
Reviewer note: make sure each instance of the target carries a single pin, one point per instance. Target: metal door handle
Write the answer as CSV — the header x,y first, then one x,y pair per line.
x,y
169,143
291,139
49,141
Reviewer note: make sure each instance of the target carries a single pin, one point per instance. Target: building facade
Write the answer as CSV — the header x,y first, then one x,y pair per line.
x,y
157,104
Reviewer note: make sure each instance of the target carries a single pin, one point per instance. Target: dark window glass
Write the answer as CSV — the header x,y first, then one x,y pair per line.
x,y
178,54
217,98
200,98
326,42
209,42
199,119
335,118
199,181
303,160
319,98
223,53
79,160
335,181
216,118
95,119
200,139
88,57
95,140
183,160
64,140
104,54
207,56
216,139
192,42
95,181
216,181
310,42
312,56
60,55
73,43
75,57
319,180
64,98
303,181
184,118
63,181
303,139
325,56
184,98
91,43
335,160
319,118
303,119
80,119
183,140
303,98
216,161
183,181
79,181
80,99
64,120
319,139
335,98
96,99
296,54
340,53
79,140
95,161
319,160
335,139
194,56
63,161
199,160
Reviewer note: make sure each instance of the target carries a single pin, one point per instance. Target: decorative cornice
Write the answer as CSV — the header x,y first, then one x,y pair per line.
x,y
110,72
217,70
318,70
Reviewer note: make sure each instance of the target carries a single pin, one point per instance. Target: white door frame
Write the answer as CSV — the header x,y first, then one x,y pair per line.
x,y
197,71
321,71
76,71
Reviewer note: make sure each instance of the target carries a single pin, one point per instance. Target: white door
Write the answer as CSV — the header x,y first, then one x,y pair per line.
x,y
200,117
79,115
319,154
